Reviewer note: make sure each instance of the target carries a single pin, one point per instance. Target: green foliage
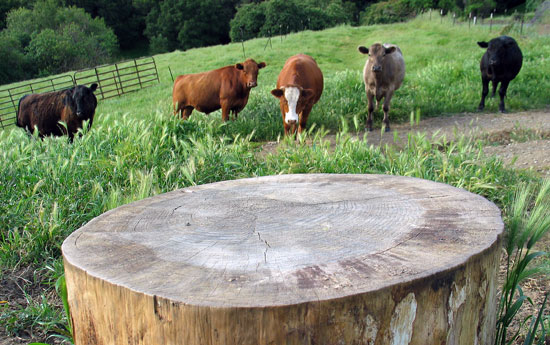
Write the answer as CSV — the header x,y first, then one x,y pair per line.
x,y
528,219
185,24
137,148
390,11
248,21
51,39
278,17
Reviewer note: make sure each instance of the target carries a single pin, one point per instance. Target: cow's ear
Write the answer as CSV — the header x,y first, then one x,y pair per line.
x,y
239,66
277,93
93,87
363,49
483,44
261,65
390,50
306,93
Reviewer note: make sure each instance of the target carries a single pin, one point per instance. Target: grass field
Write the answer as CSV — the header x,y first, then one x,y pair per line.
x,y
136,148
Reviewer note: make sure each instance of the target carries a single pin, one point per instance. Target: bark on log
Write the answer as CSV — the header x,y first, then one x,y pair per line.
x,y
291,259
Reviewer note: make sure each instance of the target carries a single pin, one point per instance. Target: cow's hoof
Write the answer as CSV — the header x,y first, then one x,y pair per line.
x,y
369,129
387,129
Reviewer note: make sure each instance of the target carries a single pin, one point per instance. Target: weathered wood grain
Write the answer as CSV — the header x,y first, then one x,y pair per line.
x,y
289,259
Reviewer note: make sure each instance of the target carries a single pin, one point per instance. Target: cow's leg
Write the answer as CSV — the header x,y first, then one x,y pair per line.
x,y
370,109
502,94
186,112
226,109
303,118
386,108
495,84
484,92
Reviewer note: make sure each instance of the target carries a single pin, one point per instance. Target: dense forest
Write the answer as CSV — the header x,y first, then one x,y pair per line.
x,y
43,37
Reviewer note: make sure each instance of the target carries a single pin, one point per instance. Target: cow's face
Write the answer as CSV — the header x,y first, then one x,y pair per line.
x,y
250,70
293,100
496,49
377,53
83,101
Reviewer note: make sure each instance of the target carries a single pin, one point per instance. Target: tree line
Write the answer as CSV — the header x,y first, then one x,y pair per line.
x,y
43,37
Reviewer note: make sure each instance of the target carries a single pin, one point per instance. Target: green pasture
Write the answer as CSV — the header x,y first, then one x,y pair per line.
x,y
137,148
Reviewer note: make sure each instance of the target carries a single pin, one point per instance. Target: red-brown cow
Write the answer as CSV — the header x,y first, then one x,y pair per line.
x,y
226,88
44,111
299,87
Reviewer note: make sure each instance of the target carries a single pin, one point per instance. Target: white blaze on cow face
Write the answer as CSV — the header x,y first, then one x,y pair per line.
x,y
292,94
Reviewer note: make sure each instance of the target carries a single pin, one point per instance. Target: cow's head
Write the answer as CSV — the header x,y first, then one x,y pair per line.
x,y
82,101
250,70
497,48
377,53
293,100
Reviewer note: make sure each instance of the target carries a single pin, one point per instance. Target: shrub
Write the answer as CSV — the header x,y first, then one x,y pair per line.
x,y
386,12
50,39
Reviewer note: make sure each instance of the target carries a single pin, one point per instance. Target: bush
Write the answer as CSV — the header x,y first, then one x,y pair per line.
x,y
247,22
277,17
49,39
14,64
185,24
385,12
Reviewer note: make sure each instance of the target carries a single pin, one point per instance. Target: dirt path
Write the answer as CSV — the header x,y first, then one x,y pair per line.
x,y
523,136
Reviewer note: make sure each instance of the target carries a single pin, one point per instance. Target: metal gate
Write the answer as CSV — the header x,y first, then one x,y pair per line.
x,y
113,80
9,97
120,78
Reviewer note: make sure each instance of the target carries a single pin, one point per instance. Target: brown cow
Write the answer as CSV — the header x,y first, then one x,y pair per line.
x,y
383,74
226,88
299,87
44,111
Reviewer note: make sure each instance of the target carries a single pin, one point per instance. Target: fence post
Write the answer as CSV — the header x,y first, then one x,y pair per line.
x,y
171,76
521,29
491,24
137,72
13,103
454,18
441,16
119,79
100,88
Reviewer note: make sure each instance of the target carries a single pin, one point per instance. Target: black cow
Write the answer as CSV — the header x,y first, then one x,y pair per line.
x,y
44,111
500,64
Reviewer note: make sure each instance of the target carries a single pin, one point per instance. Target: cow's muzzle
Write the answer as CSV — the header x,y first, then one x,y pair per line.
x,y
291,122
377,68
493,62
252,84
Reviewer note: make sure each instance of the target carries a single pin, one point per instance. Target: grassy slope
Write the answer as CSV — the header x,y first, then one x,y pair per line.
x,y
442,73
137,149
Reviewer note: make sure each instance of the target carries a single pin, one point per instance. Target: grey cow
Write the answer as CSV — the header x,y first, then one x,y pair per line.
x,y
383,74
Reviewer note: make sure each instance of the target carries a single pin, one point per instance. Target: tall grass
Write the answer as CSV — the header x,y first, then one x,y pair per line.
x,y
137,148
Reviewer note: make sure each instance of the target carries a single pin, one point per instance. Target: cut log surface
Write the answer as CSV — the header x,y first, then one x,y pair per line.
x,y
289,259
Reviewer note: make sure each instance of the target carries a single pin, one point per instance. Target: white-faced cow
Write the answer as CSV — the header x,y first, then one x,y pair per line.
x,y
44,111
383,74
500,64
299,87
226,88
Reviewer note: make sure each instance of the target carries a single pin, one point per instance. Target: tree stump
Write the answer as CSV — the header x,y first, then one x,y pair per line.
x,y
289,259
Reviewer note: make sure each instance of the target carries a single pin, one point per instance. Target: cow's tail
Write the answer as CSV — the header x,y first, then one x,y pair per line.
x,y
18,122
